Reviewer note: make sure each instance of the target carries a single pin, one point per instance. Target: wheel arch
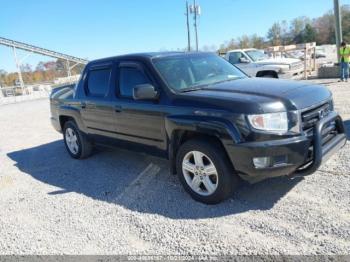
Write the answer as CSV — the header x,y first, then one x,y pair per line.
x,y
67,113
63,119
180,130
267,72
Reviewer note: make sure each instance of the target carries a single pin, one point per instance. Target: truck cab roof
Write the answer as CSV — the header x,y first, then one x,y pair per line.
x,y
244,49
148,55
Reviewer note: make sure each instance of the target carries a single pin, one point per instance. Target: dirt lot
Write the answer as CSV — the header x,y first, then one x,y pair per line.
x,y
120,202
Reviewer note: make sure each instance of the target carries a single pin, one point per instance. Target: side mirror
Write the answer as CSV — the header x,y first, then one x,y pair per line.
x,y
145,92
244,60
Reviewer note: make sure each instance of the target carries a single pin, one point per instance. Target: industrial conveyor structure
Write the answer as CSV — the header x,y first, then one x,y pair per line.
x,y
38,50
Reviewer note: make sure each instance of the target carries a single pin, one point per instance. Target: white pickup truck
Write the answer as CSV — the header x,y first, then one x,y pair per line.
x,y
256,64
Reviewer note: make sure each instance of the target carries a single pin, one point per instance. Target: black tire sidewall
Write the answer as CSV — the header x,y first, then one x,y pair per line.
x,y
224,168
268,76
72,125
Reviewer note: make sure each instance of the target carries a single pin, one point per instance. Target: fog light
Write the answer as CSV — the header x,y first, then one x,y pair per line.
x,y
280,160
262,162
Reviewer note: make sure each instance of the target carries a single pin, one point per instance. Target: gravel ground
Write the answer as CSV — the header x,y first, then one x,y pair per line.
x,y
120,202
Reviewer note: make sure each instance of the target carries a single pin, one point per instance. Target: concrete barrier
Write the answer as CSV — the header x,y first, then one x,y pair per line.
x,y
328,72
9,96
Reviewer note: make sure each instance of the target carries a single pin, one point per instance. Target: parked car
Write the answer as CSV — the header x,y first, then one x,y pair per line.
x,y
256,64
214,124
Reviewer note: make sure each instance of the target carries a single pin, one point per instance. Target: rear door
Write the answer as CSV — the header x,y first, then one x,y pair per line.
x,y
136,120
97,108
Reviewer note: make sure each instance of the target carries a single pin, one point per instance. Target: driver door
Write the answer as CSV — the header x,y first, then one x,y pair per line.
x,y
137,120
240,60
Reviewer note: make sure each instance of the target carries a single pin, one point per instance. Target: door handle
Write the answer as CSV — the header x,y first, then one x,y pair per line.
x,y
118,109
83,105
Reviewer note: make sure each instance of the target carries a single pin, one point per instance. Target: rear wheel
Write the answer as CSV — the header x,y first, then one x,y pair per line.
x,y
77,144
205,172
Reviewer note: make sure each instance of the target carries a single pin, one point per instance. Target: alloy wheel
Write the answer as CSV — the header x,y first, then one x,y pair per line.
x,y
200,173
72,141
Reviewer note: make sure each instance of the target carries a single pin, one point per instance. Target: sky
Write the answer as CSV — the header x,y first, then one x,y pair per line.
x,y
94,29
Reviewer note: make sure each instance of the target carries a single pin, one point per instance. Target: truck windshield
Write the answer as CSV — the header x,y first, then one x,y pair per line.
x,y
193,71
256,55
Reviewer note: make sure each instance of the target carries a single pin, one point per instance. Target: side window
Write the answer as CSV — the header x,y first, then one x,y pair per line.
x,y
129,77
234,57
98,82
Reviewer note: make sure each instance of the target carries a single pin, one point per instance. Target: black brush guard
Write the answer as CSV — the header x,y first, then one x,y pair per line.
x,y
323,152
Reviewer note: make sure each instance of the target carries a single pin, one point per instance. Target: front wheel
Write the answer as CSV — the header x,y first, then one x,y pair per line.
x,y
205,172
269,76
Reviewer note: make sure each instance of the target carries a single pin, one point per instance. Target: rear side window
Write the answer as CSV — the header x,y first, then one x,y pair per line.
x,y
129,77
98,81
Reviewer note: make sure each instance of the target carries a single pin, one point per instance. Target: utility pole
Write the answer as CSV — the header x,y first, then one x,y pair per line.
x,y
188,29
195,9
68,69
338,29
195,23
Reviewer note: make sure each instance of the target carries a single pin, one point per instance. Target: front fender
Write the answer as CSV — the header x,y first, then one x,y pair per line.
x,y
275,68
220,128
176,127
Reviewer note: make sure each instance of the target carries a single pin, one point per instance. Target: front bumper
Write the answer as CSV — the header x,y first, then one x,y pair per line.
x,y
322,153
296,151
291,74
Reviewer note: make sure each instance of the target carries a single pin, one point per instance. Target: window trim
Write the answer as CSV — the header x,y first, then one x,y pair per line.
x,y
97,68
243,55
133,65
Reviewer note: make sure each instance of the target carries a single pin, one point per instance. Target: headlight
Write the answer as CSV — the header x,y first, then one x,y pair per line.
x,y
284,69
275,122
281,71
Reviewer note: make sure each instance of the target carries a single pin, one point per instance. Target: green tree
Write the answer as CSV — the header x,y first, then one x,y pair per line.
x,y
40,66
244,41
3,75
257,41
285,33
308,34
346,22
274,34
324,26
297,26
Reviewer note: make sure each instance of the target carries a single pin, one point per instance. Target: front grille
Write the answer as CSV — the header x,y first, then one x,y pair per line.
x,y
311,117
296,65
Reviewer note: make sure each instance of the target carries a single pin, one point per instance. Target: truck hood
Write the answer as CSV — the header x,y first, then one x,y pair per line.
x,y
278,61
262,95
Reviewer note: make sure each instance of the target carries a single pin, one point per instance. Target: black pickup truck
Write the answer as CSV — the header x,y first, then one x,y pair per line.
x,y
214,124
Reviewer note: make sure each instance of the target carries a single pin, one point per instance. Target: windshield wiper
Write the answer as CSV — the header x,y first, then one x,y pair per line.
x,y
227,80
190,89
204,86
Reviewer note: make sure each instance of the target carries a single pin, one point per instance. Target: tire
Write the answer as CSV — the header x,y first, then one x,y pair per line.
x,y
82,147
200,189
